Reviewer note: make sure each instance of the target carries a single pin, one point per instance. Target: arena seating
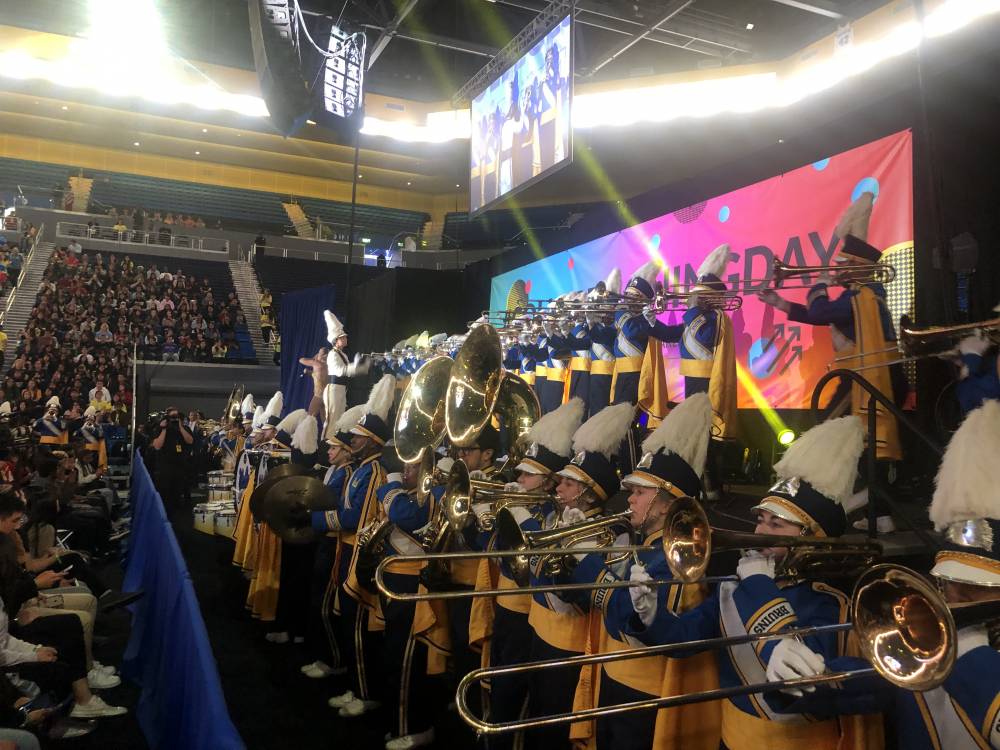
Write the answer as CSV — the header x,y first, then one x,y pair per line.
x,y
496,229
375,221
36,179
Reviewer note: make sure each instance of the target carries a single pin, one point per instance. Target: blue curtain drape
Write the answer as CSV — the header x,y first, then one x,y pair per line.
x,y
303,332
168,655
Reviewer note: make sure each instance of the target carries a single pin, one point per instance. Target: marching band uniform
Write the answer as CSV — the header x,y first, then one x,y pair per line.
x,y
816,473
640,377
526,366
674,456
964,712
980,373
262,597
358,607
561,629
340,370
404,659
93,438
602,348
549,450
51,429
708,357
577,342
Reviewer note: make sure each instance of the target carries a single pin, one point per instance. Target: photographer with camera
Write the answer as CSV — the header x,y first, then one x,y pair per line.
x,y
173,446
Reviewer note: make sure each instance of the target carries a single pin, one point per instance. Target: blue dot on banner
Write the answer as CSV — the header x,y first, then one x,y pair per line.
x,y
822,164
867,185
724,214
761,358
654,242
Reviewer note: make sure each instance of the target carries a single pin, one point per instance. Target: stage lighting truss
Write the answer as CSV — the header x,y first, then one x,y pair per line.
x,y
344,71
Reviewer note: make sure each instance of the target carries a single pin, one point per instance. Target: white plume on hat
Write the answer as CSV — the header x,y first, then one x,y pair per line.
x,y
685,431
556,428
614,281
381,397
826,456
445,463
648,271
53,401
291,421
258,418
274,406
604,431
5,407
716,262
334,328
970,473
350,418
90,411
854,221
247,404
437,338
306,435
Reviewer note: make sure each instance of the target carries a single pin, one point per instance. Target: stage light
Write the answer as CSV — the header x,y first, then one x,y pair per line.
x,y
197,153
344,72
786,437
135,143
64,107
749,27
204,130
408,184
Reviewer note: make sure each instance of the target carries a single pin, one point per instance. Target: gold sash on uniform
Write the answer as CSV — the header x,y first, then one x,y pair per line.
x,y
721,371
653,396
481,616
430,627
262,598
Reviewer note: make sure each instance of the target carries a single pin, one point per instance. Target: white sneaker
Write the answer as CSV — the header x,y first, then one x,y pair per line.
x,y
101,680
884,524
276,637
306,668
408,741
105,668
95,708
67,729
339,701
357,707
318,670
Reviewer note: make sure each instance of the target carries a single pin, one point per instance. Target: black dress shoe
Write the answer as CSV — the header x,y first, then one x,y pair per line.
x,y
110,600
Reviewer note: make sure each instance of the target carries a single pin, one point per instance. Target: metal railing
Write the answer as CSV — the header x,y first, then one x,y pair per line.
x,y
11,224
250,253
140,237
22,275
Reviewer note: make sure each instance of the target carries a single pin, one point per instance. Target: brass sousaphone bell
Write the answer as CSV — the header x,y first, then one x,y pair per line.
x,y
231,414
420,423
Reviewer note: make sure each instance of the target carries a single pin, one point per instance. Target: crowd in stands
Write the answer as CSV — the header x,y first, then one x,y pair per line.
x,y
11,260
141,219
269,324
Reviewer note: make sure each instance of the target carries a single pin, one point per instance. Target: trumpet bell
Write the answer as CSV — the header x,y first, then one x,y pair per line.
x,y
904,627
474,386
420,424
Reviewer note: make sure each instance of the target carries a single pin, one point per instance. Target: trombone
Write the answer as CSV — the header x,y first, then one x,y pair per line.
x,y
922,343
688,543
842,273
904,627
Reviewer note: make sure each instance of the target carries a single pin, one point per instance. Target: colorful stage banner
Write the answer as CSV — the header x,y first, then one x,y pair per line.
x,y
791,218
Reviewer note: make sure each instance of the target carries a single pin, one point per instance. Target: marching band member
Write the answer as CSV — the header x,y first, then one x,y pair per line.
x,y
403,681
549,450
979,374
560,629
964,712
708,358
575,342
639,377
50,428
602,332
673,459
333,556
248,409
340,370
862,331
358,607
271,418
93,439
814,476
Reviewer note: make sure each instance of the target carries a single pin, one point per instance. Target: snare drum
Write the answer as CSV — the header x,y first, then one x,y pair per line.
x,y
204,519
225,523
220,486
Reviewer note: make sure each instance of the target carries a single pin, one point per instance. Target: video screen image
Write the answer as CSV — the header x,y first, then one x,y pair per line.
x,y
791,218
521,124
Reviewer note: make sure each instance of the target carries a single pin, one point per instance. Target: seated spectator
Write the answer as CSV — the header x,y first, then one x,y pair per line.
x,y
104,334
218,351
170,349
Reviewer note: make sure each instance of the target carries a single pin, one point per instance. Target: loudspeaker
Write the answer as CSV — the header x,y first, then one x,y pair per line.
x,y
277,62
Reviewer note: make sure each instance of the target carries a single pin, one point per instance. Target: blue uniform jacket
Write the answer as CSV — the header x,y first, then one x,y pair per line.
x,y
701,326
982,382
820,310
356,484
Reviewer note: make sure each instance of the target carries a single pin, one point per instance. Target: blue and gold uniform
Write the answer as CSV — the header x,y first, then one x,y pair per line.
x,y
51,430
981,380
578,344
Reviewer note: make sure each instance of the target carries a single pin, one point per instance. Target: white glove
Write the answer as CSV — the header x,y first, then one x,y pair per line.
x,y
591,318
547,327
357,359
477,474
972,637
649,315
513,487
973,345
792,659
480,509
754,563
394,477
571,516
643,597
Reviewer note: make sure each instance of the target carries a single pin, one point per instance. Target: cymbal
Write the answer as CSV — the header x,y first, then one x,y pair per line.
x,y
286,500
282,471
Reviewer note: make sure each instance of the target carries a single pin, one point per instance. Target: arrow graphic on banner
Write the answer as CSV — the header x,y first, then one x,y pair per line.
x,y
794,334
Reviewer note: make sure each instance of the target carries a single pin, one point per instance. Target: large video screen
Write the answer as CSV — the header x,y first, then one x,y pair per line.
x,y
791,218
521,124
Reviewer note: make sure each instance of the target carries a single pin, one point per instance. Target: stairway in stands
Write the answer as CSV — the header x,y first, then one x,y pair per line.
x,y
80,187
248,291
303,227
25,294
433,235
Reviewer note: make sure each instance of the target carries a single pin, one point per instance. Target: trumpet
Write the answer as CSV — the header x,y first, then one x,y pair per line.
x,y
922,343
461,493
843,273
906,631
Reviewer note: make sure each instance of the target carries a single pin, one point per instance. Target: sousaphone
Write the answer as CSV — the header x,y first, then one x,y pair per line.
x,y
420,419
474,386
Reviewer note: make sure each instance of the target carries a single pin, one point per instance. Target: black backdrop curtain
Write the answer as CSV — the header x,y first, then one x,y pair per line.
x,y
303,332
